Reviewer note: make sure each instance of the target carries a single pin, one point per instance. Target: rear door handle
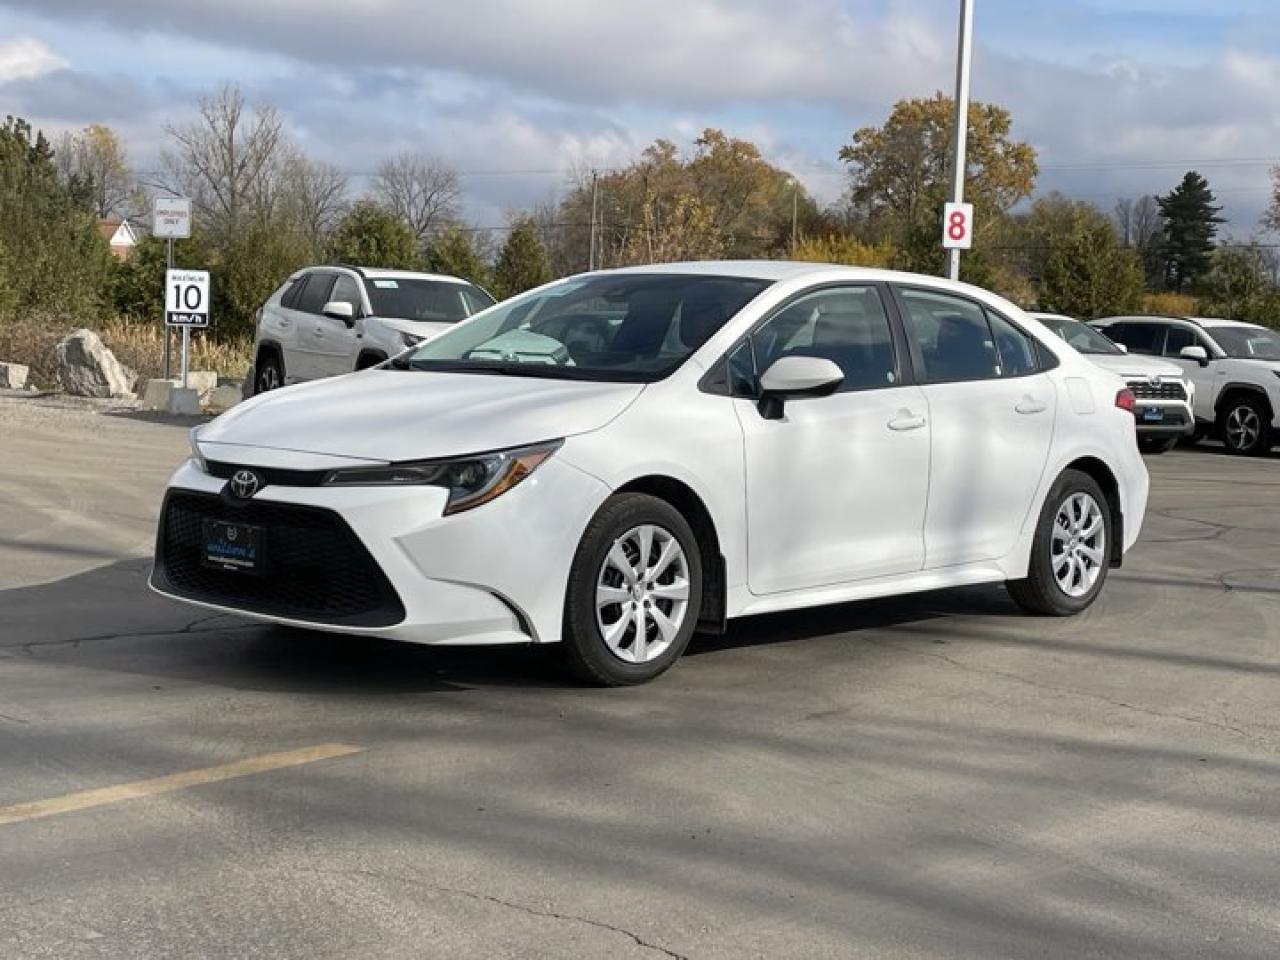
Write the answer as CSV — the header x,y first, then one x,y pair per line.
x,y
906,420
319,331
1030,405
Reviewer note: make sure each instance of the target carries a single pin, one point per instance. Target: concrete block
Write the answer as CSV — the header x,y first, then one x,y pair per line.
x,y
13,376
184,402
202,382
155,395
222,399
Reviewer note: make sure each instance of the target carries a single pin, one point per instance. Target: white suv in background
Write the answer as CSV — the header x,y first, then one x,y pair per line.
x,y
1164,394
325,321
1235,368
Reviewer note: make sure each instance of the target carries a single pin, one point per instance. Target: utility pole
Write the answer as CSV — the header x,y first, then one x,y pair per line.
x,y
960,137
595,192
795,211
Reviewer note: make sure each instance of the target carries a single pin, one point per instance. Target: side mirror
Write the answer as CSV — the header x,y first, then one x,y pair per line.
x,y
340,310
795,378
1199,354
1122,348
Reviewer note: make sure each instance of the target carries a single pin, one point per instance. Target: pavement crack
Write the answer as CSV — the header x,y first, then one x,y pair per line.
x,y
187,629
533,911
1075,691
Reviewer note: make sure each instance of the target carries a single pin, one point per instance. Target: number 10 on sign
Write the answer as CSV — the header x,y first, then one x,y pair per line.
x,y
957,226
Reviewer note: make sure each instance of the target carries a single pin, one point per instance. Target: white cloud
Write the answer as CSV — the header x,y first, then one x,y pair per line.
x,y
22,58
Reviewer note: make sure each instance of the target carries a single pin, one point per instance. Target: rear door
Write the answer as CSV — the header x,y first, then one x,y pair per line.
x,y
992,413
308,363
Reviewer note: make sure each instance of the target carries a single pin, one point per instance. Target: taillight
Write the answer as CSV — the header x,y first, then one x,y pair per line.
x,y
1125,399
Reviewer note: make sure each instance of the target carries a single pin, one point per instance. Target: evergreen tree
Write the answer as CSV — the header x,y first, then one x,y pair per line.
x,y
522,263
454,253
372,236
1190,225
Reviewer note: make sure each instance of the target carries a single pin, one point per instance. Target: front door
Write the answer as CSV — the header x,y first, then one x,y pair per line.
x,y
992,415
836,488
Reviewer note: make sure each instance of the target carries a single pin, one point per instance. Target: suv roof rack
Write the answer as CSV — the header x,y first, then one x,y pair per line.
x,y
352,267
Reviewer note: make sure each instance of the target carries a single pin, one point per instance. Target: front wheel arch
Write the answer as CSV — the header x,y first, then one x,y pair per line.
x,y
370,358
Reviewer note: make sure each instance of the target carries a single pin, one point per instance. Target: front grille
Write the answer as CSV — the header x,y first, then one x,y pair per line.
x,y
1163,390
317,570
271,476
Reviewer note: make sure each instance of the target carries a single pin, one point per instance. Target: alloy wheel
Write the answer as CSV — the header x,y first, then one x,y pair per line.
x,y
1078,545
268,378
642,594
1243,427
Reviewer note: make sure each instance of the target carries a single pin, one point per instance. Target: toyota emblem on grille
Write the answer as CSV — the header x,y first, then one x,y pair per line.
x,y
244,484
1154,380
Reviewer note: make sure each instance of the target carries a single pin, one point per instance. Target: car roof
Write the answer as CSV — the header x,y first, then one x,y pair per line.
x,y
780,270
1038,315
386,273
1210,322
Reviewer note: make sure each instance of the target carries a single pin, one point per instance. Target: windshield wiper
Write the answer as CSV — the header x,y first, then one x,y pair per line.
x,y
545,370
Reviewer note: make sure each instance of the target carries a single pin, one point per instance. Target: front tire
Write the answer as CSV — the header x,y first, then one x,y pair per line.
x,y
1245,426
1071,550
268,375
635,589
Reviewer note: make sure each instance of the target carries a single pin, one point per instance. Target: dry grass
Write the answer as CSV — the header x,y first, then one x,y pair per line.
x,y
139,346
1170,304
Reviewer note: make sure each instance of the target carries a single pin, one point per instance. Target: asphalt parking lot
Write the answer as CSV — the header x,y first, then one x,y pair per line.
x,y
936,776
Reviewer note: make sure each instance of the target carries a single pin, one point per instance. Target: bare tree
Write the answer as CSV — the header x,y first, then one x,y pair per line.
x,y
314,194
422,190
227,162
96,158
1124,220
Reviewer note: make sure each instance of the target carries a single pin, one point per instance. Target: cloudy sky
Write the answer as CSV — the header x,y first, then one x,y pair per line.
x,y
1120,97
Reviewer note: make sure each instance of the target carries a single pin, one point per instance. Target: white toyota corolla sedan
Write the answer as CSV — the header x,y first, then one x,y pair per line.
x,y
617,459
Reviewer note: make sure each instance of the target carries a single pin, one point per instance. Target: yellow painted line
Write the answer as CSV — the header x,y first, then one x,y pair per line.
x,y
85,799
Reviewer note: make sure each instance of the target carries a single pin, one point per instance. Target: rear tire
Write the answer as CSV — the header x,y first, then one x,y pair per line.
x,y
1245,426
268,374
1157,445
634,592
1070,554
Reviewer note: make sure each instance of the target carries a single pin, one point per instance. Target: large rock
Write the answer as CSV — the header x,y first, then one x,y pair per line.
x,y
13,376
222,398
86,368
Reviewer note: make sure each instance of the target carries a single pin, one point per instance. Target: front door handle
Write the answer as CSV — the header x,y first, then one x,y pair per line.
x,y
319,331
1030,405
906,420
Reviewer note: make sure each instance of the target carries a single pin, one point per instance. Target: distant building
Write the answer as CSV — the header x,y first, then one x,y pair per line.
x,y
121,235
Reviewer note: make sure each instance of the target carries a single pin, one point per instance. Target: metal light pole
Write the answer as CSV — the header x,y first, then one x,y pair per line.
x,y
168,266
964,60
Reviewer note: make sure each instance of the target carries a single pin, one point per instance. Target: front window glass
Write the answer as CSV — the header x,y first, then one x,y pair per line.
x,y
846,325
1176,339
429,301
315,294
1248,343
1079,335
1146,338
619,327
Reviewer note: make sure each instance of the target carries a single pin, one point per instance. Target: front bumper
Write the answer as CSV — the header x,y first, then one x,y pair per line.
x,y
495,574
1175,419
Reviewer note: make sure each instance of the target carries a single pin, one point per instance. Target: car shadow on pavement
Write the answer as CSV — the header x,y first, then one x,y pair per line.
x,y
157,416
107,619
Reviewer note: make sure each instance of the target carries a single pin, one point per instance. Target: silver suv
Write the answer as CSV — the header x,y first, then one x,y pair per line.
x,y
325,321
1235,368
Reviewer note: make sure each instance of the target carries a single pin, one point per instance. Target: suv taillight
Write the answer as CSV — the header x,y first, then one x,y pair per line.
x,y
1125,399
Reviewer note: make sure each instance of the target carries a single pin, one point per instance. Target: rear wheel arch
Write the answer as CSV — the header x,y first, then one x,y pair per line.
x,y
712,615
1106,479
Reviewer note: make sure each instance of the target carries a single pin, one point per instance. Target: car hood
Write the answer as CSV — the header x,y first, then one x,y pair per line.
x,y
410,415
1128,365
419,328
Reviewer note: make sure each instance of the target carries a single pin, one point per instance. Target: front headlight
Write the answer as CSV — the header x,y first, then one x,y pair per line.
x,y
196,456
471,480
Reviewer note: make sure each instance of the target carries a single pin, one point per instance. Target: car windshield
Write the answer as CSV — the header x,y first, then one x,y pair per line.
x,y
634,328
430,301
1083,337
1248,343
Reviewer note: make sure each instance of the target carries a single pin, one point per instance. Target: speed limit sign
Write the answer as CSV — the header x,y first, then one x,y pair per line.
x,y
957,226
186,298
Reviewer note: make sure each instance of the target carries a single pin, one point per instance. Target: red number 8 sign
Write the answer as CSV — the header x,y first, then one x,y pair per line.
x,y
957,226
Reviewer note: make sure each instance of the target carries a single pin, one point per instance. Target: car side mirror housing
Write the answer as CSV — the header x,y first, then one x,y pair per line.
x,y
340,310
1199,354
796,378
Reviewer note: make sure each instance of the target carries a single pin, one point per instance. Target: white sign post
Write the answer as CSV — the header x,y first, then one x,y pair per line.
x,y
957,226
186,305
171,219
